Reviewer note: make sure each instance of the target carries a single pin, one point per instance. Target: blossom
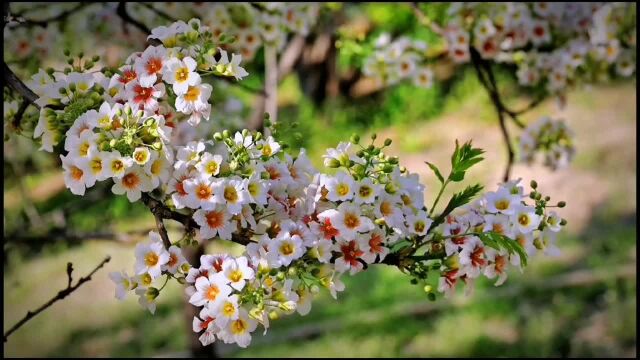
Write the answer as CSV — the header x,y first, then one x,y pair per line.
x,y
133,182
150,64
239,330
350,253
181,74
195,101
232,193
215,221
237,272
151,256
123,283
347,219
76,175
287,248
210,290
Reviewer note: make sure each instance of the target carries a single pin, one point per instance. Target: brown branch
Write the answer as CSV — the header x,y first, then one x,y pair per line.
x,y
16,84
61,295
122,12
162,230
489,83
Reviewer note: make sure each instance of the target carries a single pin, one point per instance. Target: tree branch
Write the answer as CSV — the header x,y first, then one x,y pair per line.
x,y
16,84
17,118
158,12
489,83
61,295
122,12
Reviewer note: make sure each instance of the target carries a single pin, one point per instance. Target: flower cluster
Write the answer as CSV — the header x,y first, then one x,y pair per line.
x,y
552,43
551,137
403,58
466,237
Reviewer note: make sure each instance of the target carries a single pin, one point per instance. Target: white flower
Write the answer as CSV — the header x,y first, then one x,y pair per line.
x,y
76,175
340,187
79,146
147,299
151,256
257,190
419,223
150,64
123,283
540,32
209,164
215,222
133,183
141,155
366,191
350,253
210,290
423,77
238,272
225,311
287,248
195,101
347,220
232,193
181,73
158,168
472,258
116,164
501,201
553,221
525,218
375,248
176,260
201,190
239,330
144,97
207,325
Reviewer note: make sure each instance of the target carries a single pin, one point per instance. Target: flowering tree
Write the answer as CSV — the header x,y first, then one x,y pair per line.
x,y
303,228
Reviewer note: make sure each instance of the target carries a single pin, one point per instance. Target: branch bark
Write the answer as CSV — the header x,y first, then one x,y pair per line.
x,y
61,295
16,84
122,12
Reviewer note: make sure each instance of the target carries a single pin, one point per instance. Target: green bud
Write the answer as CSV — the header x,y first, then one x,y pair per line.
x,y
89,64
538,196
387,168
414,281
373,136
431,296
225,134
267,122
355,138
370,148
81,54
245,132
50,71
562,204
333,163
428,288
273,272
563,222
376,151
280,276
66,52
292,271
217,136
258,136
547,198
387,142
359,153
70,61
534,184
152,293
380,221
394,160
182,280
95,58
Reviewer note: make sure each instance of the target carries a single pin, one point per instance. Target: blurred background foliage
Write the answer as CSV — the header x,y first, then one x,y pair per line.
x,y
580,304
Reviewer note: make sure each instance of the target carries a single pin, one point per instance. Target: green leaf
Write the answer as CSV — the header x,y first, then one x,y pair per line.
x,y
436,171
454,156
456,201
498,241
457,176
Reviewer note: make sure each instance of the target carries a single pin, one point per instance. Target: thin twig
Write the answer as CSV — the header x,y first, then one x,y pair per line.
x,y
17,118
61,295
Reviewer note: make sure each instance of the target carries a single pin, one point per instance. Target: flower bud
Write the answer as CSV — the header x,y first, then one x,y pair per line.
x,y
355,138
563,222
333,163
152,293
380,221
562,204
217,136
428,288
245,132
314,289
373,136
182,280
533,184
258,136
273,315
387,142
225,134
66,52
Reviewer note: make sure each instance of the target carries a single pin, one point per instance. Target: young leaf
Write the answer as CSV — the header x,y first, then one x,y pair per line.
x,y
436,171
498,241
456,176
456,201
